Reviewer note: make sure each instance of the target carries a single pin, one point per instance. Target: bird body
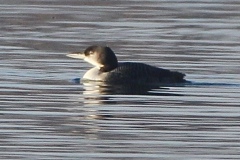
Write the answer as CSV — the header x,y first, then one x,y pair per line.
x,y
109,70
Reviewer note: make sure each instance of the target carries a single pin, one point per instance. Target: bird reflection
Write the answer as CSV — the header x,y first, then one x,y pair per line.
x,y
126,89
97,100
96,92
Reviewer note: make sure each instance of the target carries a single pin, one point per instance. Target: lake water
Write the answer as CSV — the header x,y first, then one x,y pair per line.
x,y
45,115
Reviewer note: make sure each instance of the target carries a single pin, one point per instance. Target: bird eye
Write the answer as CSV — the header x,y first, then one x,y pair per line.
x,y
90,52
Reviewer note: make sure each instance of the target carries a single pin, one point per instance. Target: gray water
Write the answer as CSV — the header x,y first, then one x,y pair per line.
x,y
44,114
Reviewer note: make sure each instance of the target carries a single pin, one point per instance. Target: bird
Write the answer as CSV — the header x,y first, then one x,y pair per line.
x,y
107,69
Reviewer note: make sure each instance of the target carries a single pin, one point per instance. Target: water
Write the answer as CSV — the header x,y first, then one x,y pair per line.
x,y
45,115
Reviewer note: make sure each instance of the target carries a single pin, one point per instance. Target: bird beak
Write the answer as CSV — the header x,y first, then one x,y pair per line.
x,y
77,55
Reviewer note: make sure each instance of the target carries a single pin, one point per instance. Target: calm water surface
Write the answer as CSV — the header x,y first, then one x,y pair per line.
x,y
45,115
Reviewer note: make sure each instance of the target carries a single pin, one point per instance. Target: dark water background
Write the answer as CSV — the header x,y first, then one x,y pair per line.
x,y
44,115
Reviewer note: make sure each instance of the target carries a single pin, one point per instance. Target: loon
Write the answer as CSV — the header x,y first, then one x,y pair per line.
x,y
108,69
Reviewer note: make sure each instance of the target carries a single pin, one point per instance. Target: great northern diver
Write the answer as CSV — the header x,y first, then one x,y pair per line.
x,y
108,69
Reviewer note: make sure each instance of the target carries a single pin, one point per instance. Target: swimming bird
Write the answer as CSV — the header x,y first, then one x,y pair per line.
x,y
108,69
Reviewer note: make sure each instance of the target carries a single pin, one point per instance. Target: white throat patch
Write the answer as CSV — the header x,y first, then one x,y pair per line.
x,y
91,61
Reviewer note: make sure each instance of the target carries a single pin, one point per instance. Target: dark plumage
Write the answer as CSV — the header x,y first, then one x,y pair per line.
x,y
143,73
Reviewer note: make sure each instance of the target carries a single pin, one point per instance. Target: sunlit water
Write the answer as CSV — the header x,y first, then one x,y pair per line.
x,y
45,114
